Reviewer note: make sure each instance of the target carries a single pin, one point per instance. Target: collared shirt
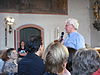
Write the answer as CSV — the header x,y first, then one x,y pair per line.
x,y
74,40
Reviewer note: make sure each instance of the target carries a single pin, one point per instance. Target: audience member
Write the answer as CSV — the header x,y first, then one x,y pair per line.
x,y
55,57
32,43
1,65
10,65
2,60
22,50
74,40
86,62
32,64
71,54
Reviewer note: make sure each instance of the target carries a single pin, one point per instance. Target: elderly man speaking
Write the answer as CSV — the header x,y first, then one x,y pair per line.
x,y
74,39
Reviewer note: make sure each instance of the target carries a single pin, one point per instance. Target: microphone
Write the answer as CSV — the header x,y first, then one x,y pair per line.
x,y
61,38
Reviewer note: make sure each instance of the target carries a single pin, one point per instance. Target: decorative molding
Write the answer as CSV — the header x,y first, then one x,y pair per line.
x,y
35,6
26,26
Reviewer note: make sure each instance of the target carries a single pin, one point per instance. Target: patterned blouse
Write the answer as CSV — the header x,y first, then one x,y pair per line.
x,y
10,68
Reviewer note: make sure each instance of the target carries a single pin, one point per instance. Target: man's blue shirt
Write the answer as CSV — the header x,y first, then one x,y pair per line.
x,y
74,40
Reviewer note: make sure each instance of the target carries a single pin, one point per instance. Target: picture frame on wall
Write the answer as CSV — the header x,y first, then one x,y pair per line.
x,y
34,6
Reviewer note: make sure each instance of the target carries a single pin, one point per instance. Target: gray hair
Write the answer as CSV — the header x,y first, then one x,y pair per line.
x,y
85,62
56,55
72,21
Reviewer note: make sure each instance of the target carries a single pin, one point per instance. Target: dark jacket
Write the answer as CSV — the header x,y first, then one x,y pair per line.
x,y
31,64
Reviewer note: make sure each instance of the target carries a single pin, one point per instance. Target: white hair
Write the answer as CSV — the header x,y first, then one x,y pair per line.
x,y
72,21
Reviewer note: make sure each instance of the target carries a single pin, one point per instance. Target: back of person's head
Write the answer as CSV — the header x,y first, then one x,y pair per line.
x,y
33,46
32,38
56,56
85,62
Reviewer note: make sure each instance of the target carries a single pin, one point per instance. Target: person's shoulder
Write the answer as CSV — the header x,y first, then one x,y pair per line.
x,y
1,60
38,59
7,63
24,60
19,49
78,34
32,57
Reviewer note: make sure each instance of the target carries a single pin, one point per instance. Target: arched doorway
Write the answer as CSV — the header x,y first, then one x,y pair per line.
x,y
25,31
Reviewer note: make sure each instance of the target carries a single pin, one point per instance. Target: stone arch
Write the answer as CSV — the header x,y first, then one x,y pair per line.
x,y
17,33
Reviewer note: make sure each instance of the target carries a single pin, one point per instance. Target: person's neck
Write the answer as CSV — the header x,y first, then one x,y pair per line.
x,y
22,47
11,60
72,31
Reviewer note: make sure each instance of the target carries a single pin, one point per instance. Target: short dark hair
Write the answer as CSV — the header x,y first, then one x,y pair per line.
x,y
33,46
85,62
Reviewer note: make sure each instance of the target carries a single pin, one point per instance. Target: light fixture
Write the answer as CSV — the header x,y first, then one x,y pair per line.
x,y
96,12
10,21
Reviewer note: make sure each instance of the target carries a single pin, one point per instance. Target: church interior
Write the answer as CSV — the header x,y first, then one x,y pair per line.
x,y
49,37
46,18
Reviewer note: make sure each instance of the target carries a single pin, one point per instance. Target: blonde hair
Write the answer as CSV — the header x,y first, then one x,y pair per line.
x,y
56,55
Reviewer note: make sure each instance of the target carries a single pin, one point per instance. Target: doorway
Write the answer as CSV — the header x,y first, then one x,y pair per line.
x,y
26,31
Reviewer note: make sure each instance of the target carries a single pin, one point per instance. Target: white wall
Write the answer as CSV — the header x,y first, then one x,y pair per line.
x,y
76,8
95,35
80,9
